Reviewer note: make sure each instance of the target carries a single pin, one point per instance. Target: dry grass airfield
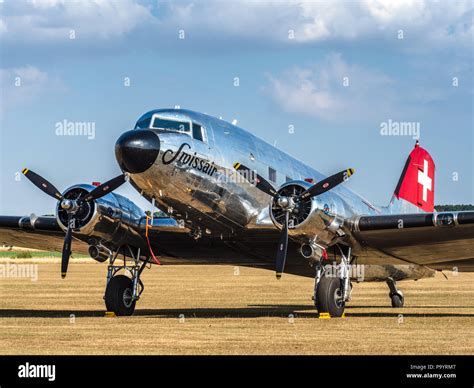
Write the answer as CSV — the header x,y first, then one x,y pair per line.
x,y
210,310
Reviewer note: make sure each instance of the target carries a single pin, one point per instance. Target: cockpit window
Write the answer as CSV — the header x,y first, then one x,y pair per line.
x,y
171,125
145,123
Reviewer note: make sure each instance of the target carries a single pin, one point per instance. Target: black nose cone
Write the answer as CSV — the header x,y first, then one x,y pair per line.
x,y
137,150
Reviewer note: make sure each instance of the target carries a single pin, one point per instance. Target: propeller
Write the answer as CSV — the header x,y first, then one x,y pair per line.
x,y
66,247
256,179
71,206
282,248
106,188
290,203
326,184
42,184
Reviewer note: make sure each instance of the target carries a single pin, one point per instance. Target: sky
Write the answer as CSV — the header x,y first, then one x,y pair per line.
x,y
317,79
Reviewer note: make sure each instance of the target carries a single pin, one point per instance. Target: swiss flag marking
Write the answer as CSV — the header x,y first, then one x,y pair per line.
x,y
417,184
425,180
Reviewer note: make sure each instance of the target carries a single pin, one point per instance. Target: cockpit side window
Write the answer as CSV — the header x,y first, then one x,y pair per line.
x,y
171,125
198,132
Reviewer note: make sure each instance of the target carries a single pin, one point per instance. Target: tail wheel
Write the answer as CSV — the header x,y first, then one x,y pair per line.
x,y
397,300
119,296
329,296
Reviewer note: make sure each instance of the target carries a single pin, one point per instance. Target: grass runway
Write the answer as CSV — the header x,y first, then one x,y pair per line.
x,y
217,309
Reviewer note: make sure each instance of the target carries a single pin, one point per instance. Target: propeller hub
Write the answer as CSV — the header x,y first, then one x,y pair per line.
x,y
69,205
286,203
283,202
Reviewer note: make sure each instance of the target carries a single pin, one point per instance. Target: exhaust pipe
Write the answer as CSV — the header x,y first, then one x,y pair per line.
x,y
312,251
98,253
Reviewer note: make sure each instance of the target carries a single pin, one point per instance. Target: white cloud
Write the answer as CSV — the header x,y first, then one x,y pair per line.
x,y
52,20
30,75
427,23
316,21
22,85
333,90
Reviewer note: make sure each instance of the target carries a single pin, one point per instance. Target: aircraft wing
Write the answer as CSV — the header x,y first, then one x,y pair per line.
x,y
44,233
171,241
438,240
36,233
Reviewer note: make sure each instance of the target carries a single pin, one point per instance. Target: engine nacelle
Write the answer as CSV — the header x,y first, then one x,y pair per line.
x,y
317,219
112,219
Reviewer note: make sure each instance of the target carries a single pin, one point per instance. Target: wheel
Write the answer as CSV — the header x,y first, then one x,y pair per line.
x,y
328,296
397,300
118,296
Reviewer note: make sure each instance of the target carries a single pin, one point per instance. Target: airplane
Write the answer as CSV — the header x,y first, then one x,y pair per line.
x,y
231,197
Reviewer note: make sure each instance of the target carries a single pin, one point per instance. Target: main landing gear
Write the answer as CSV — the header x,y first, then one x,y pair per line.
x,y
332,288
395,294
122,292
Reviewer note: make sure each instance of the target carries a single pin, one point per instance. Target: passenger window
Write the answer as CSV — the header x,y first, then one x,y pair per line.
x,y
197,132
272,174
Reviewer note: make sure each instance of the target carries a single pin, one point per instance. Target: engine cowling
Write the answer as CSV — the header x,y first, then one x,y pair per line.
x,y
111,220
316,219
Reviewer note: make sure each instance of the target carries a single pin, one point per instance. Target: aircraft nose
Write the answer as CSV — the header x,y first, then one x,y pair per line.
x,y
137,150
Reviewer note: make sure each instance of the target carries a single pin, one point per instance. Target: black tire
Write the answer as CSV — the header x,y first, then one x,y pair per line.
x,y
397,300
118,296
328,296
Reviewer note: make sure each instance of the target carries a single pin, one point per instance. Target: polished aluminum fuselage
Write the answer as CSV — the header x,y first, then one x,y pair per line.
x,y
216,215
195,183
217,200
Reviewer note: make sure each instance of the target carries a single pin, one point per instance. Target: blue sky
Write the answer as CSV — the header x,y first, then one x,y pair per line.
x,y
401,60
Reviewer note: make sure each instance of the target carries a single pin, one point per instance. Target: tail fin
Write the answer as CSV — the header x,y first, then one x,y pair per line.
x,y
415,189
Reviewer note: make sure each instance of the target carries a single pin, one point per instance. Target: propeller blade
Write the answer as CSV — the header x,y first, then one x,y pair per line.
x,y
106,188
282,248
256,179
326,184
42,183
66,248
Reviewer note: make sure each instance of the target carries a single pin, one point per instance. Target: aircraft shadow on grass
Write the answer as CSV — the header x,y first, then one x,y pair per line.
x,y
252,311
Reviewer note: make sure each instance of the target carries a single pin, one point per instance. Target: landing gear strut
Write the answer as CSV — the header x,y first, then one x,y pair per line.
x,y
395,294
331,292
122,292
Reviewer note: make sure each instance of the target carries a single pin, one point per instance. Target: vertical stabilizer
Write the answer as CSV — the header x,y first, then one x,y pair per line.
x,y
415,189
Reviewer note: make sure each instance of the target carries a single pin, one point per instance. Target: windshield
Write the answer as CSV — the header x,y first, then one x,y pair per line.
x,y
171,125
142,124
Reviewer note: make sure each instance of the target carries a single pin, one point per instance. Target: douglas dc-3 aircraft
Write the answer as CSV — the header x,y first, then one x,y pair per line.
x,y
233,198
